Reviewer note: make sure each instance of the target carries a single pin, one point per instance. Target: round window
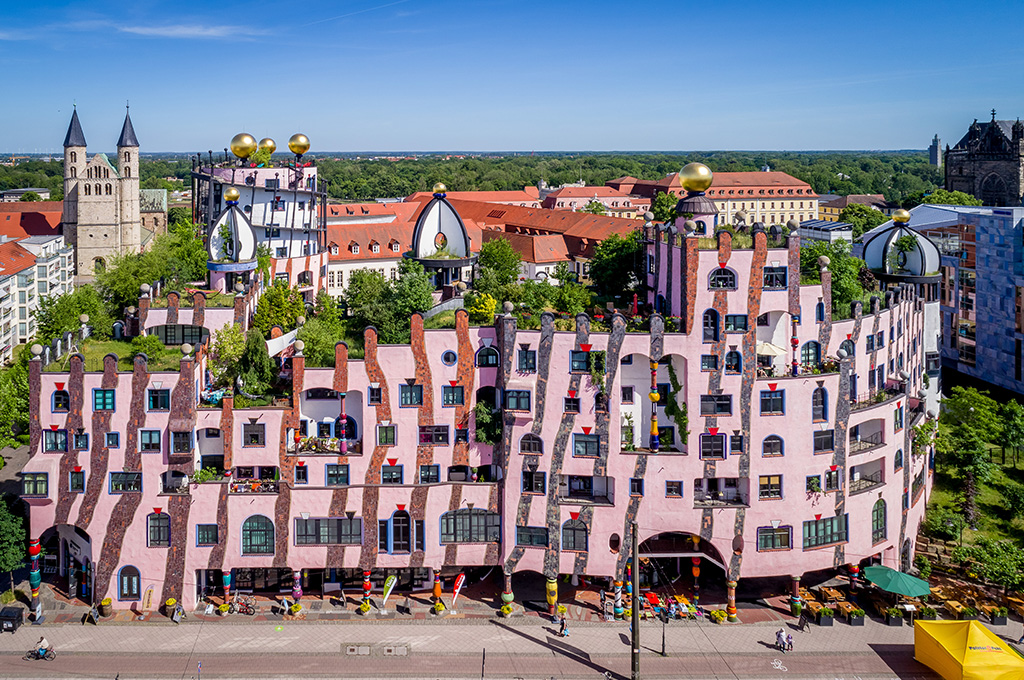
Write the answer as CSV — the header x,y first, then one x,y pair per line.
x,y
449,357
614,542
440,240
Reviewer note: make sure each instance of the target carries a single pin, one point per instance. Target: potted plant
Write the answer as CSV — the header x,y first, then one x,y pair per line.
x,y
561,610
856,617
969,613
439,607
224,608
826,617
364,607
506,610
106,607
999,616
893,616
927,613
295,609
169,606
718,615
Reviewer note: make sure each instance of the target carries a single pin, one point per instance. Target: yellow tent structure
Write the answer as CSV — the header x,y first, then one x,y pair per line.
x,y
965,650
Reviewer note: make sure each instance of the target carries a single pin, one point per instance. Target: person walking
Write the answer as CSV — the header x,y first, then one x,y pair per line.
x,y
789,642
1021,640
780,641
564,628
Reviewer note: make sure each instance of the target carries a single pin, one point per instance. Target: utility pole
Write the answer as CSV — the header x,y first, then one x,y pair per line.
x,y
635,609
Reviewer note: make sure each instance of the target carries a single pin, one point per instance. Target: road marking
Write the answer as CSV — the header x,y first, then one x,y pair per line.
x,y
777,665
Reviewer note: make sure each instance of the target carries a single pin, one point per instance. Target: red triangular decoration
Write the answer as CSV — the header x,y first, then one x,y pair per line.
x,y
849,336
585,347
78,468
572,394
392,461
772,386
301,463
817,517
586,430
574,515
722,265
157,510
400,506
898,404
53,427
60,386
713,430
832,467
453,383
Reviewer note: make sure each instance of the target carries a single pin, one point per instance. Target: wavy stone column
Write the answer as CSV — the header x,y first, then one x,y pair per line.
x,y
371,493
339,494
425,416
466,376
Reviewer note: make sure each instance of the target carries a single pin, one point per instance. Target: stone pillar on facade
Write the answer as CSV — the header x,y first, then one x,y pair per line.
x,y
437,586
35,578
507,597
696,580
795,590
226,577
617,608
343,424
297,585
366,586
730,595
552,596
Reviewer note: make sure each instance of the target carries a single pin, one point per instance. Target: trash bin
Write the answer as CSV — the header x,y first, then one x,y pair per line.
x,y
11,618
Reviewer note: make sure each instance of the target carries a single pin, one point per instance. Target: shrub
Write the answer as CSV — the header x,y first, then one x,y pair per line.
x,y
364,607
857,612
924,565
7,597
970,611
718,615
480,307
894,612
942,523
149,345
827,613
928,611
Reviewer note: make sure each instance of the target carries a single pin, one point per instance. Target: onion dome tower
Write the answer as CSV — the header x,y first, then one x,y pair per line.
x,y
231,245
440,241
897,254
696,178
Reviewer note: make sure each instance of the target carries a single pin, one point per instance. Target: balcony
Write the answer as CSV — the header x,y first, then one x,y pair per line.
x,y
866,442
174,483
325,446
254,486
715,499
866,477
875,398
584,490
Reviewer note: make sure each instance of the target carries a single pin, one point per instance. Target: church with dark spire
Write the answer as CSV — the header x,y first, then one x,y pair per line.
x,y
101,198
988,162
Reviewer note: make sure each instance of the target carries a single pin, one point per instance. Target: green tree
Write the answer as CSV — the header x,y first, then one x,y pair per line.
x,y
150,345
967,406
664,207
845,268
31,196
119,282
862,218
178,215
964,451
256,367
280,305
226,349
480,307
413,291
943,197
594,208
570,297
12,541
997,561
1012,434
617,267
498,256
320,337
187,256
14,406
60,314
387,306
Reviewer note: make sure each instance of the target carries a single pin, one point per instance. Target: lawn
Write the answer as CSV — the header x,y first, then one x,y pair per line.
x,y
95,350
213,299
995,518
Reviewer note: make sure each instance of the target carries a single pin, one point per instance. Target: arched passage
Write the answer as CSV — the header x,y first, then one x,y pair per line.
x,y
667,564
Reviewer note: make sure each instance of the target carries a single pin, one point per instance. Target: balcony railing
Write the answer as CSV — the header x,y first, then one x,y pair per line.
x,y
874,398
325,445
866,442
718,499
254,486
866,482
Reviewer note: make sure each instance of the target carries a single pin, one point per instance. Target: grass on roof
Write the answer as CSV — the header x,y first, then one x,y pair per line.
x,y
95,350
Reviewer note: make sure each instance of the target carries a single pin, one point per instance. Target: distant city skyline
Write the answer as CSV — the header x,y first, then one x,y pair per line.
x,y
501,75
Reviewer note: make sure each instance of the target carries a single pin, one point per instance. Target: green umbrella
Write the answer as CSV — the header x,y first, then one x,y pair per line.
x,y
893,581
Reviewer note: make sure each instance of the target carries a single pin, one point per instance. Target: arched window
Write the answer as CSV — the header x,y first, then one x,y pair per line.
x,y
614,542
401,532
74,172
897,461
74,157
470,526
733,362
99,189
819,312
159,530
108,190
532,444
574,535
61,401
722,278
702,227
488,356
819,404
127,157
99,264
257,536
810,354
711,326
878,528
350,428
772,446
850,348
88,189
128,584
127,172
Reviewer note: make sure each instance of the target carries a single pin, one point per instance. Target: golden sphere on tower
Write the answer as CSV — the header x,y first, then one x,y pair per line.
x,y
231,194
901,216
268,143
696,177
243,144
440,188
299,144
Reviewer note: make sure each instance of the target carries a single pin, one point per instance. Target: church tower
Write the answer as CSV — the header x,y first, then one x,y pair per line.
x,y
74,167
128,169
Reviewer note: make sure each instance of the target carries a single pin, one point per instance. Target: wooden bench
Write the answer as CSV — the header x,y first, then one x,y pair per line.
x,y
954,608
1015,605
845,608
814,607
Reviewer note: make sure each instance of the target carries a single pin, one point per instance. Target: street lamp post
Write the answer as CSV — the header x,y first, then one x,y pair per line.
x,y
635,609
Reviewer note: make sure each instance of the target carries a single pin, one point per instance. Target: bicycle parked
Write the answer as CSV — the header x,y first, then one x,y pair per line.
x,y
242,605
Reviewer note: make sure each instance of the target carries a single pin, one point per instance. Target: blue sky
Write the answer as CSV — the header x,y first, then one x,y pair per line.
x,y
509,75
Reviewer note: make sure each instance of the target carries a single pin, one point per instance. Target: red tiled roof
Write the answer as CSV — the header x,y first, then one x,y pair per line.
x,y
14,258
512,197
587,192
756,179
536,249
19,219
363,234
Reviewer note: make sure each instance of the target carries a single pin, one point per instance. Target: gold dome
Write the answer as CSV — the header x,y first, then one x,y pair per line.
x,y
243,144
299,144
696,177
440,188
901,216
231,194
268,143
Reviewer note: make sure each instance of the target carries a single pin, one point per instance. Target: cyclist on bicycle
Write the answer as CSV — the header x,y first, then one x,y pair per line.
x,y
42,647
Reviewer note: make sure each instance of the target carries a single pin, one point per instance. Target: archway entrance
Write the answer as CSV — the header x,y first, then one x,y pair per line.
x,y
68,561
668,561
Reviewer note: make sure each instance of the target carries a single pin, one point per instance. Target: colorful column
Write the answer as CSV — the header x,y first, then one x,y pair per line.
x,y
730,595
297,585
343,420
437,586
35,578
794,595
226,577
618,609
796,348
366,586
654,396
696,580
552,596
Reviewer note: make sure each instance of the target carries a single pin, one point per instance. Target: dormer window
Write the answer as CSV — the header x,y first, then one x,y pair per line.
x,y
354,248
394,246
334,250
374,248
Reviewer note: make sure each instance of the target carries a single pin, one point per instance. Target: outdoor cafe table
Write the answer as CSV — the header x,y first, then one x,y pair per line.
x,y
833,594
845,608
954,607
815,607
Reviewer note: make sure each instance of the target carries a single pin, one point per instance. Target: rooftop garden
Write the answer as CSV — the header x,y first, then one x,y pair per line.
x,y
213,298
159,357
